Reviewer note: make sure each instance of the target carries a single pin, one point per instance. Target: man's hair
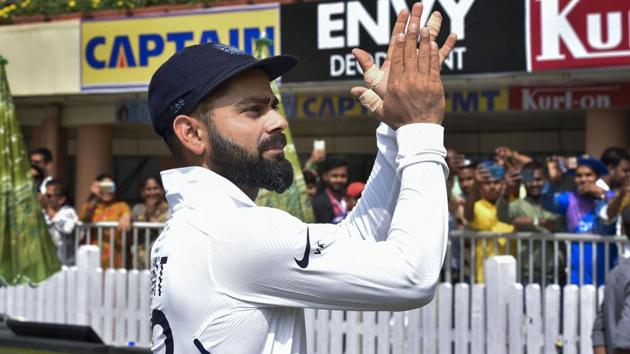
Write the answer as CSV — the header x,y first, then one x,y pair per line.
x,y
332,162
534,165
46,154
59,186
105,175
309,177
155,177
613,156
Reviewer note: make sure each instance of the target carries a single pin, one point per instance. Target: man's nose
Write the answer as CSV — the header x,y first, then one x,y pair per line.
x,y
276,122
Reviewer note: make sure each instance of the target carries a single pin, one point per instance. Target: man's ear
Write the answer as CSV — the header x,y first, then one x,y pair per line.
x,y
191,134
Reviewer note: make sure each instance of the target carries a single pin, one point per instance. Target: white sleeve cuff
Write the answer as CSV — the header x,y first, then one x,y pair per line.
x,y
386,144
420,142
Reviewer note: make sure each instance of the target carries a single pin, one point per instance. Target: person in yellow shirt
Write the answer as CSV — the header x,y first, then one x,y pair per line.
x,y
481,213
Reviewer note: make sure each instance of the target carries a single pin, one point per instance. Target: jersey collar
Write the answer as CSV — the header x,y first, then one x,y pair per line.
x,y
197,185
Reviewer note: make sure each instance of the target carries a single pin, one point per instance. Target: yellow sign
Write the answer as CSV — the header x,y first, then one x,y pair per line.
x,y
469,101
122,54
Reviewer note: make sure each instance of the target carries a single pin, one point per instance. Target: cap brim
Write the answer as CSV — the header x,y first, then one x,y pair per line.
x,y
274,67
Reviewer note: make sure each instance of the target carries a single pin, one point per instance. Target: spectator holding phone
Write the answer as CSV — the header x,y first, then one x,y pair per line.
x,y
102,205
579,208
533,213
560,171
481,212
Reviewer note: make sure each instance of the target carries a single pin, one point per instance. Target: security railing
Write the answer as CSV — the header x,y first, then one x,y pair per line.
x,y
541,258
132,248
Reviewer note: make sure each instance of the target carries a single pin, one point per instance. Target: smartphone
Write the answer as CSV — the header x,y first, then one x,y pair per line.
x,y
319,144
561,165
496,171
107,187
572,163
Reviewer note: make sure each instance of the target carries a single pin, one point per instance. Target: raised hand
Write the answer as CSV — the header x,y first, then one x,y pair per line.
x,y
377,79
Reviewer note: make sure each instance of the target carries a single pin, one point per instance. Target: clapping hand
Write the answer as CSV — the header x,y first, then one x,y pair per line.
x,y
407,88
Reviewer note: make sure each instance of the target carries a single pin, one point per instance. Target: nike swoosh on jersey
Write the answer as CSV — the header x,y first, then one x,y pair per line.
x,y
303,263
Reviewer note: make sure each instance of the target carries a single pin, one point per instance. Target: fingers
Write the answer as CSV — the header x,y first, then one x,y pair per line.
x,y
434,24
369,99
364,59
447,47
434,71
396,70
410,55
399,27
374,76
424,54
371,73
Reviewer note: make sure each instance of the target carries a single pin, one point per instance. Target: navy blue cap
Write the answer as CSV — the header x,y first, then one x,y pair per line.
x,y
193,73
594,163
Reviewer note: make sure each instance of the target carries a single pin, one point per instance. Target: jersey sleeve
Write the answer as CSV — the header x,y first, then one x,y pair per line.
x,y
279,261
561,202
371,218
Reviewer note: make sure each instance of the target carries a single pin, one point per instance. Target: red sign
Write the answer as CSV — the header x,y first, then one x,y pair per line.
x,y
569,98
565,34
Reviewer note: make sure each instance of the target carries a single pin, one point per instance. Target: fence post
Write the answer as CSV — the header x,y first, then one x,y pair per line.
x,y
552,318
309,323
18,301
61,300
368,331
322,326
534,319
109,288
145,308
31,304
516,324
398,333
588,303
570,319
122,317
478,319
416,330
500,275
336,334
40,304
71,295
445,319
352,332
462,311
133,306
384,331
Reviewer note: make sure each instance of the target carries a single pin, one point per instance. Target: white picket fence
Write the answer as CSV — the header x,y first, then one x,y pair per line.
x,y
497,317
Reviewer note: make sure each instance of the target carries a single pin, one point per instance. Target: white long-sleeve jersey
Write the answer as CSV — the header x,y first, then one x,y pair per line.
x,y
231,277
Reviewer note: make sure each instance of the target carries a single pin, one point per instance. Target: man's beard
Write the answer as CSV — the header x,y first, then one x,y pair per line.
x,y
248,170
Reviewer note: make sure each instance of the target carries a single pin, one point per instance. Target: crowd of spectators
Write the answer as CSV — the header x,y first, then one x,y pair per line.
x,y
511,192
101,205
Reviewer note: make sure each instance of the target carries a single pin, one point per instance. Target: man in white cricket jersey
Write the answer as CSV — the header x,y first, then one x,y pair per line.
x,y
231,277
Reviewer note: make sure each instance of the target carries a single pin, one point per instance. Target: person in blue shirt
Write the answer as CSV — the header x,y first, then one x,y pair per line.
x,y
580,208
